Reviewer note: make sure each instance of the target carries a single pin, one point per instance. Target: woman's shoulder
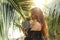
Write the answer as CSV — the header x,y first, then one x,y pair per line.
x,y
38,24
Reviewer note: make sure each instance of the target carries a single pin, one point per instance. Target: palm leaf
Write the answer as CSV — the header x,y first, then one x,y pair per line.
x,y
16,7
21,6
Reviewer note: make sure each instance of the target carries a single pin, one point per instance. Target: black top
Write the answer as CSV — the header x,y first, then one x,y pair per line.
x,y
34,35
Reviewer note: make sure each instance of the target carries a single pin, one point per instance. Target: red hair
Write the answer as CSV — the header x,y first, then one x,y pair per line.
x,y
40,18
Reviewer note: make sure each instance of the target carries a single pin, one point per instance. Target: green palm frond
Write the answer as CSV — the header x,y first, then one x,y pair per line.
x,y
16,7
21,6
59,20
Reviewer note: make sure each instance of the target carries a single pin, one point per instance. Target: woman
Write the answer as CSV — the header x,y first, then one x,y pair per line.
x,y
38,28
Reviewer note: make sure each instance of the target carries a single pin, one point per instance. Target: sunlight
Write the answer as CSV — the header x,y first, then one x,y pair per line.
x,y
41,3
15,33
49,1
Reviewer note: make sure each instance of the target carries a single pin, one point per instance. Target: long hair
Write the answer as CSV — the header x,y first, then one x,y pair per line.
x,y
40,18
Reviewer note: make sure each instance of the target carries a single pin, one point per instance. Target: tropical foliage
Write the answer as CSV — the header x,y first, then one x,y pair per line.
x,y
13,12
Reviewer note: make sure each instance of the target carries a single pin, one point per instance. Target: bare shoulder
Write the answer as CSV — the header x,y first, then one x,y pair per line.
x,y
37,23
39,26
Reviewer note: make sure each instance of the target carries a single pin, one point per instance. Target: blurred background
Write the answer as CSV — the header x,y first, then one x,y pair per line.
x,y
14,12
